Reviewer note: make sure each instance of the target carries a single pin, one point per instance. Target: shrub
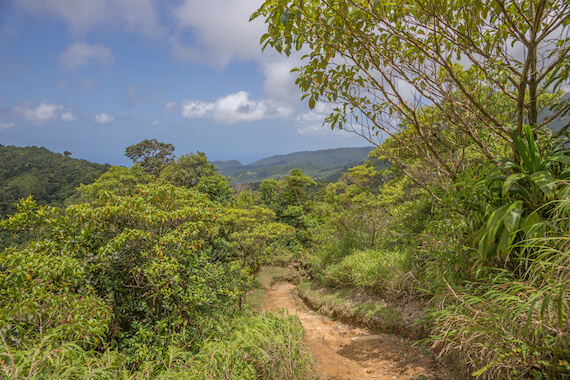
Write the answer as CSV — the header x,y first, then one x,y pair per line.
x,y
375,270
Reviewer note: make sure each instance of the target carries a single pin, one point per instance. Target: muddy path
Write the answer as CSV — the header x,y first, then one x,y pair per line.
x,y
344,352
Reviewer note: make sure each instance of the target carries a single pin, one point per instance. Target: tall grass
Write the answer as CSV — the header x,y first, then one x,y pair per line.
x,y
513,323
266,346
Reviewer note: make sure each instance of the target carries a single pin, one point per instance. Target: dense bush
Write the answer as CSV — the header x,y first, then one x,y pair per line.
x,y
376,270
132,265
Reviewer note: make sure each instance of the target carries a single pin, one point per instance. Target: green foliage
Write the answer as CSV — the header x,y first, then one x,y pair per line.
x,y
376,270
361,52
290,201
49,177
145,249
252,230
44,294
188,170
152,155
320,165
266,346
248,347
520,196
216,188
194,170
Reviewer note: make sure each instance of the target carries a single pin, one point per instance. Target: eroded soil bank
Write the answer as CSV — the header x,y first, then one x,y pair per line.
x,y
343,352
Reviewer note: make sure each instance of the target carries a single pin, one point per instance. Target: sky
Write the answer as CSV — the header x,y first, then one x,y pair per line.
x,y
94,76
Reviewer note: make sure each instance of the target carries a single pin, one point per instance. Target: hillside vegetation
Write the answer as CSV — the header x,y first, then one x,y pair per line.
x,y
320,165
50,178
144,275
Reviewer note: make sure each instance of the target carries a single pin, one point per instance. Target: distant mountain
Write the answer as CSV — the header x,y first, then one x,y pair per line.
x,y
321,164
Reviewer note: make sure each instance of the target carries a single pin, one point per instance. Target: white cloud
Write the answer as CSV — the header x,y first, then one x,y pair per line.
x,y
238,38
155,122
279,82
81,53
234,108
170,106
4,125
45,112
104,118
311,121
68,116
138,16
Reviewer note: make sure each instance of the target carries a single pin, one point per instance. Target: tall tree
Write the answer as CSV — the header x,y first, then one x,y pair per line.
x,y
381,62
151,154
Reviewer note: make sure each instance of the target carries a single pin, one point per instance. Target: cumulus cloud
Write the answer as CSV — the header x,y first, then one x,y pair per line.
x,y
238,38
155,122
4,125
68,116
82,53
45,112
234,108
104,118
279,82
170,106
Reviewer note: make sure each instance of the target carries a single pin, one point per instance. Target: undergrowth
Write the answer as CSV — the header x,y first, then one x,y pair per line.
x,y
267,346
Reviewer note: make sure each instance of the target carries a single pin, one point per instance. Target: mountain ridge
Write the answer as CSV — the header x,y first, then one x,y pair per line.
x,y
324,164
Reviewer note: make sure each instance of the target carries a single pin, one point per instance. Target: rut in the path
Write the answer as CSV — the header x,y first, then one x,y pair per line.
x,y
343,352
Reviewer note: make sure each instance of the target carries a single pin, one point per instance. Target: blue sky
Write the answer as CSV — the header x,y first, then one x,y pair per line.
x,y
95,76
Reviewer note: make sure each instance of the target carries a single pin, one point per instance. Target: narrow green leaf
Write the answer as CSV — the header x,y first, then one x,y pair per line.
x,y
522,150
494,223
561,307
533,151
559,157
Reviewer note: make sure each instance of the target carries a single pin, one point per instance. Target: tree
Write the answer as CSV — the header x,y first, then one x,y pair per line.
x,y
194,170
151,154
189,169
380,63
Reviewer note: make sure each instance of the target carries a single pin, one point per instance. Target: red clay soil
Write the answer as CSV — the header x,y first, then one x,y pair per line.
x,y
344,352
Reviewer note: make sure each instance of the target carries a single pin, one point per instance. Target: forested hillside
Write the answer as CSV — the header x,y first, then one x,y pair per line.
x,y
49,177
326,164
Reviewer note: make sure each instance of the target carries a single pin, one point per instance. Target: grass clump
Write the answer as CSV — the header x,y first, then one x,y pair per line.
x,y
378,271
263,346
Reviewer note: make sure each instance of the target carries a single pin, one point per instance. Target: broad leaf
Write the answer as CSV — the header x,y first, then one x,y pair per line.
x,y
546,182
513,216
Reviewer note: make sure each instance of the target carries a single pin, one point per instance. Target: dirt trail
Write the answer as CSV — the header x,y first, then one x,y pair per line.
x,y
343,352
